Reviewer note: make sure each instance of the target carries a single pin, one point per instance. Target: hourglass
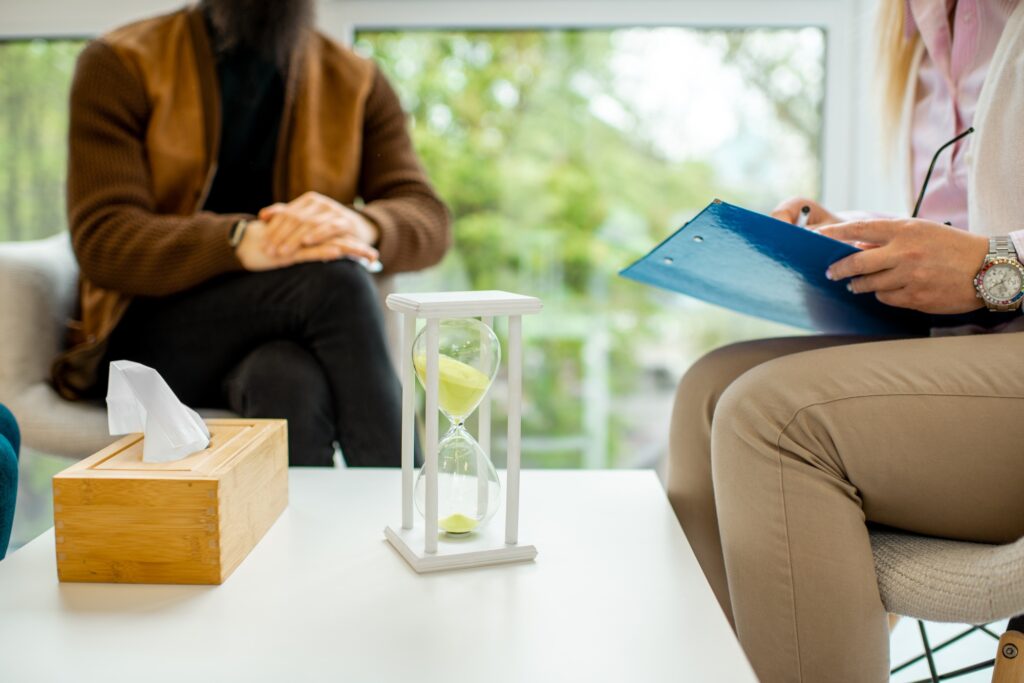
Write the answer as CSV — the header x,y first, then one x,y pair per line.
x,y
458,493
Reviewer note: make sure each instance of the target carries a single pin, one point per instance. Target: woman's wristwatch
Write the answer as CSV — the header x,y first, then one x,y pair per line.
x,y
1000,282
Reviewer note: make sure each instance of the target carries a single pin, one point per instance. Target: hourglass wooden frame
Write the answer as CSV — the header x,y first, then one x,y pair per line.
x,y
418,544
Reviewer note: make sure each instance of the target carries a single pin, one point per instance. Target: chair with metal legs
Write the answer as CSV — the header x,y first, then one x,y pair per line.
x,y
932,579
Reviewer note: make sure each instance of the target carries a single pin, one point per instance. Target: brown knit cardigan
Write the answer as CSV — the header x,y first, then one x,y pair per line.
x,y
145,122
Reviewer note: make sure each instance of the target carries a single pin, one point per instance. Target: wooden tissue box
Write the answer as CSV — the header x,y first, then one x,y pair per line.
x,y
118,519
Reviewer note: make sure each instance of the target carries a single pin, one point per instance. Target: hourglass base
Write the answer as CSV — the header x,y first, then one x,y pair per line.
x,y
484,547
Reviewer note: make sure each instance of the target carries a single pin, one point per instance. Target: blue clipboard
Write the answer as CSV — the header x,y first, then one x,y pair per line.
x,y
755,264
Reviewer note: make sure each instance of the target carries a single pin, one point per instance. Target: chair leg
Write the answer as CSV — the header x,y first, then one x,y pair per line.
x,y
941,646
1010,658
928,652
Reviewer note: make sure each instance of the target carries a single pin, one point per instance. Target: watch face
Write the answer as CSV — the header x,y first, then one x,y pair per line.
x,y
1002,281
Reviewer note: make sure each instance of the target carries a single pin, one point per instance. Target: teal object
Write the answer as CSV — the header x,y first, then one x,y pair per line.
x,y
755,264
10,443
9,428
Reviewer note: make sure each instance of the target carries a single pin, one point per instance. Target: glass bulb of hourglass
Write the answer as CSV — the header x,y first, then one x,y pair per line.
x,y
468,490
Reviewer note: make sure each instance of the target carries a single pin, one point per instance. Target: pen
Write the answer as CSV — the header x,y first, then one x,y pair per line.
x,y
801,220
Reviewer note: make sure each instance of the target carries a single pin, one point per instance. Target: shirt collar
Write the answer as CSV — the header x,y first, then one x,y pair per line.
x,y
930,18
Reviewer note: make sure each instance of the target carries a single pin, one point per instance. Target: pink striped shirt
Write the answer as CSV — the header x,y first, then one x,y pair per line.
x,y
959,37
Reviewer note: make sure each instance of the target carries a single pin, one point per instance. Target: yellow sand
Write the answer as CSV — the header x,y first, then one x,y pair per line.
x,y
459,386
457,523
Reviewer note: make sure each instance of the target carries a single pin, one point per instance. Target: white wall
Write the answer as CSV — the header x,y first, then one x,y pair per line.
x,y
875,184
854,176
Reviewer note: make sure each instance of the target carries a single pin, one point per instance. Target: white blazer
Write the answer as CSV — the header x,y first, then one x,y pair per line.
x,y
995,158
995,161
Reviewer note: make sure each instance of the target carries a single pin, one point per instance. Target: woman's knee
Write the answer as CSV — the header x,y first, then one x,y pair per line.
x,y
758,409
702,386
697,397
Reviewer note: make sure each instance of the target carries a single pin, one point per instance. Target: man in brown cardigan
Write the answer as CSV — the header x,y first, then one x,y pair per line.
x,y
232,174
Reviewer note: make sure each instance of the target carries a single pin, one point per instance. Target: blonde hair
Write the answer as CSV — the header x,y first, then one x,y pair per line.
x,y
895,56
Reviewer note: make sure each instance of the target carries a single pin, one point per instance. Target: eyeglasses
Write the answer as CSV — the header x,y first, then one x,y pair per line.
x,y
931,167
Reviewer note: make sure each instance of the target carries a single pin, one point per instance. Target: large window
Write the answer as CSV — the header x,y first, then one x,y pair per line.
x,y
35,76
564,155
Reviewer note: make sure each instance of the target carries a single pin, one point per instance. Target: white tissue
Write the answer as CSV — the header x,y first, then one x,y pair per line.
x,y
139,400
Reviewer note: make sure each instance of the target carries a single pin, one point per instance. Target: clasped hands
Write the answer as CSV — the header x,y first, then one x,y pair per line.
x,y
310,228
905,262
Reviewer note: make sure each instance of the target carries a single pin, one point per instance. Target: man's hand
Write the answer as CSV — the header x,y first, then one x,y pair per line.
x,y
917,264
313,219
789,211
253,253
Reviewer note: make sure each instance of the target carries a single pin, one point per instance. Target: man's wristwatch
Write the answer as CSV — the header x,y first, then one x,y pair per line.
x,y
1000,282
237,233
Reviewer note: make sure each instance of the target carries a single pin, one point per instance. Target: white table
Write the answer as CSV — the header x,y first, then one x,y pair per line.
x,y
614,595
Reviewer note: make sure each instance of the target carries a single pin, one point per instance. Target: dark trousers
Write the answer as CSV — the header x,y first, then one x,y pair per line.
x,y
304,343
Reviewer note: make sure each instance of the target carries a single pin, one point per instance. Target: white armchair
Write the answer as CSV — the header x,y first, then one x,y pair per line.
x,y
37,295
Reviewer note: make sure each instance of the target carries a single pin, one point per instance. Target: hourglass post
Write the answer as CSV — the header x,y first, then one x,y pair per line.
x,y
515,400
483,432
408,417
430,448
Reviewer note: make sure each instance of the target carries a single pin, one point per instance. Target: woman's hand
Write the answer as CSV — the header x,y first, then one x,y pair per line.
x,y
915,264
789,212
313,219
254,254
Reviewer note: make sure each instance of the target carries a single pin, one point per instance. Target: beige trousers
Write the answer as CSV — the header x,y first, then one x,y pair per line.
x,y
782,450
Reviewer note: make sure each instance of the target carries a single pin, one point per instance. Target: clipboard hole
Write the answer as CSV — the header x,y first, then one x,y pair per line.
x,y
668,260
698,239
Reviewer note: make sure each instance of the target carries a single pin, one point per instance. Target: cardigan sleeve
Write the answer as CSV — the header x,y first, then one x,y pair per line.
x,y
414,223
121,242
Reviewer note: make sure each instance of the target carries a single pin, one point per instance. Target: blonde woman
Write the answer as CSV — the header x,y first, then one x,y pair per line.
x,y
783,450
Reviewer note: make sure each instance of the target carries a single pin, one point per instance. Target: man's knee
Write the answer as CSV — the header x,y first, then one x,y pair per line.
x,y
343,294
343,279
277,378
281,380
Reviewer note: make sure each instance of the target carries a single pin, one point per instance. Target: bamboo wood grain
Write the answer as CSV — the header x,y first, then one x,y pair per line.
x,y
119,519
254,492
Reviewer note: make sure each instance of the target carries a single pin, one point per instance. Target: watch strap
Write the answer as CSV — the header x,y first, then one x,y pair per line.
x,y
237,232
1001,245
